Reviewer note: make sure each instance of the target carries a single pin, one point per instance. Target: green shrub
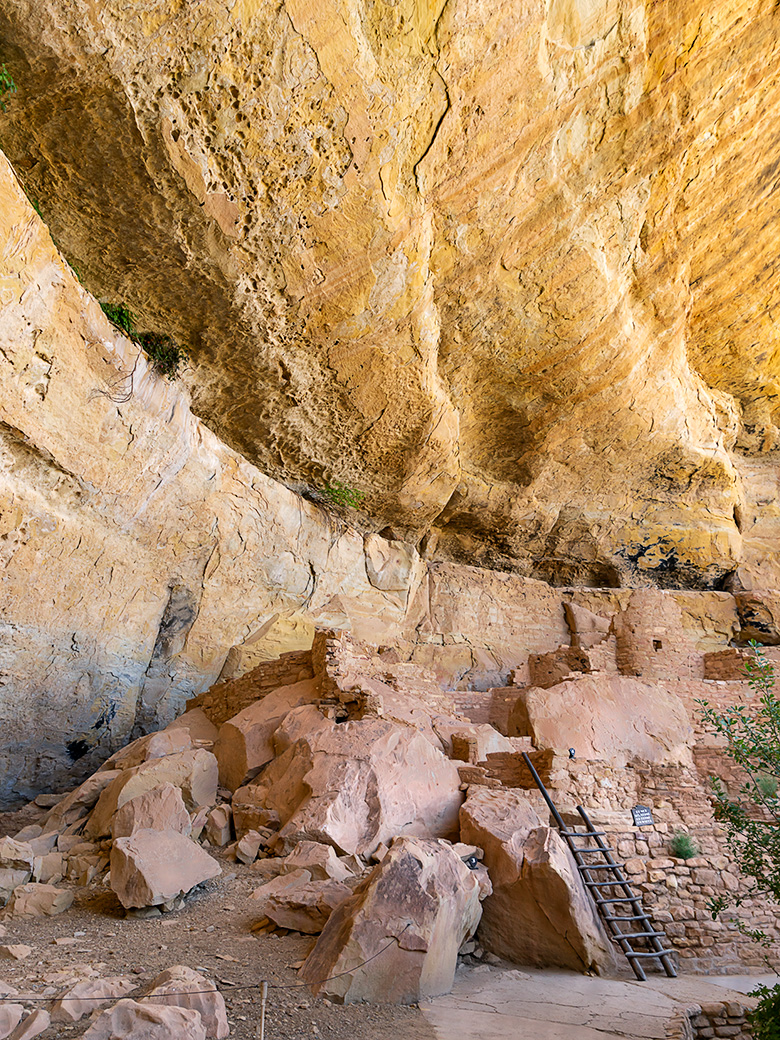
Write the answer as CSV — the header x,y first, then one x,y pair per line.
x,y
341,495
166,355
120,316
7,86
765,1019
683,846
767,785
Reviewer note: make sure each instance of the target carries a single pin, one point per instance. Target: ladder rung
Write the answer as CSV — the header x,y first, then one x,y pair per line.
x,y
660,953
595,848
583,834
605,884
602,866
623,899
638,935
628,917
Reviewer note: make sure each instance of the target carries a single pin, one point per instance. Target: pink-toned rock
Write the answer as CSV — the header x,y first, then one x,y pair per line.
x,y
77,804
160,809
357,784
295,901
35,1024
183,987
245,742
129,1020
250,844
218,825
144,749
483,739
320,860
614,718
248,811
539,912
15,951
196,722
83,998
152,868
11,879
36,900
193,772
417,906
16,855
10,1017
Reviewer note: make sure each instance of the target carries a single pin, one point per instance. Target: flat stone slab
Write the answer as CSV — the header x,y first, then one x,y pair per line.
x,y
495,1003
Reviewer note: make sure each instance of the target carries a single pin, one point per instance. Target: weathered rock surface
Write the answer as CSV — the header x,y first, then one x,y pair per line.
x,y
320,860
193,772
293,900
39,900
83,998
160,809
539,912
10,1016
417,906
151,868
129,1020
361,783
184,987
37,1022
245,742
609,717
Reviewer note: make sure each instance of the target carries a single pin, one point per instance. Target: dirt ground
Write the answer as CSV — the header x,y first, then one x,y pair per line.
x,y
211,934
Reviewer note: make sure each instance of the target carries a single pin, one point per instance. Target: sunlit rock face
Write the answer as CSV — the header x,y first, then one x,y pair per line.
x,y
508,268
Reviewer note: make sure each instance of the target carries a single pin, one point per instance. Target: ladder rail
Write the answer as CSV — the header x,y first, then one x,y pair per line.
x,y
620,883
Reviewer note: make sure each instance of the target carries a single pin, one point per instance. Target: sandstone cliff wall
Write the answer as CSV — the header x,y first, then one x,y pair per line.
x,y
505,267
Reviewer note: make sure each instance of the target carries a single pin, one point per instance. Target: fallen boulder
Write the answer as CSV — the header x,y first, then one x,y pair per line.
x,y
129,1020
358,784
183,987
193,772
10,1017
539,912
37,1022
408,920
153,868
83,998
320,860
617,718
37,900
245,742
297,902
160,809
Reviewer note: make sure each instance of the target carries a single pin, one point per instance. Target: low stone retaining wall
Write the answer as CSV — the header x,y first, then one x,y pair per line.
x,y
726,1019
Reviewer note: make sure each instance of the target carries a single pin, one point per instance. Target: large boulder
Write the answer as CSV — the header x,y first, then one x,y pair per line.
x,y
129,1020
407,921
184,987
153,868
17,861
194,772
359,784
245,742
539,912
86,996
38,900
615,718
295,901
160,809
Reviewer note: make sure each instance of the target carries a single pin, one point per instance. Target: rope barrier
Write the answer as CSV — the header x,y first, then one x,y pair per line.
x,y
20,997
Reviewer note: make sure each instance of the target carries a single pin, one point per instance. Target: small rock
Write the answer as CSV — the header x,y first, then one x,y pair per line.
x,y
35,1024
16,951
10,1016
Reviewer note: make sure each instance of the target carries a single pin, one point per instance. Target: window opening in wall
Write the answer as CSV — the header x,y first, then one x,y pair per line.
x,y
657,644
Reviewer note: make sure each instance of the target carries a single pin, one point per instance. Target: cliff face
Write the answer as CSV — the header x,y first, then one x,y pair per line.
x,y
508,268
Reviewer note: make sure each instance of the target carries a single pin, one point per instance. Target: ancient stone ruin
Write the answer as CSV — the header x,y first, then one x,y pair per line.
x,y
389,442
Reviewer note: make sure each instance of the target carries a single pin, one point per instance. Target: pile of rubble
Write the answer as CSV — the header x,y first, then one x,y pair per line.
x,y
343,793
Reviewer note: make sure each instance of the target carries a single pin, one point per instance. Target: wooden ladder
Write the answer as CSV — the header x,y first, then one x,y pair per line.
x,y
610,890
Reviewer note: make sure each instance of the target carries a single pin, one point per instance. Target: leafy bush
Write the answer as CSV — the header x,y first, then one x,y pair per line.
x,y
765,1020
7,86
342,495
683,846
119,315
165,354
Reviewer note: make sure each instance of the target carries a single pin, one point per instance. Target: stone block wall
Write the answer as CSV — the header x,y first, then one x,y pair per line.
x,y
709,1021
225,700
